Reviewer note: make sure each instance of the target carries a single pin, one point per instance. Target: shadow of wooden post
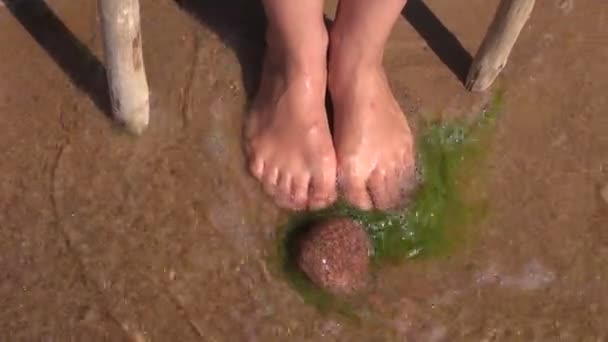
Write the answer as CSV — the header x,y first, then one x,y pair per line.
x,y
438,37
73,57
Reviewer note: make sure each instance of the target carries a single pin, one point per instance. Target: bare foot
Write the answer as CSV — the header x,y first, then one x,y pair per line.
x,y
288,141
374,147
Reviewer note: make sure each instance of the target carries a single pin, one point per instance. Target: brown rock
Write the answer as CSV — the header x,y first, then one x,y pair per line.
x,y
335,255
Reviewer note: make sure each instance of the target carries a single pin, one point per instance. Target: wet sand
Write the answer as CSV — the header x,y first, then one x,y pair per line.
x,y
165,237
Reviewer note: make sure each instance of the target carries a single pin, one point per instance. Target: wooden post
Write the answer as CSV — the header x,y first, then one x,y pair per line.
x,y
122,45
502,34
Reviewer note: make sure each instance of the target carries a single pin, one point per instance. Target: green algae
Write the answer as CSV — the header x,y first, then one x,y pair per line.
x,y
433,222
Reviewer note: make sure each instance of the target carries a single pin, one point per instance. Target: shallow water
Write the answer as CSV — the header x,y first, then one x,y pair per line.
x,y
428,224
166,237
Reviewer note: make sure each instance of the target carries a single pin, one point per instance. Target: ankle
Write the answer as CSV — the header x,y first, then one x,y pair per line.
x,y
348,74
307,54
349,60
350,50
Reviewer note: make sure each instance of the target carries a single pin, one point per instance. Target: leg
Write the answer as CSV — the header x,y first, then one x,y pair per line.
x,y
498,43
287,135
124,62
373,140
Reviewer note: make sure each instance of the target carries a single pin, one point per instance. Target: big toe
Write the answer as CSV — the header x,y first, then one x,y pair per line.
x,y
383,189
322,192
355,192
299,193
291,191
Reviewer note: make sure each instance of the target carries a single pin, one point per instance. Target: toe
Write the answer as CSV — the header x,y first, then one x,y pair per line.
x,y
299,192
269,180
378,189
283,191
395,179
407,176
322,191
354,191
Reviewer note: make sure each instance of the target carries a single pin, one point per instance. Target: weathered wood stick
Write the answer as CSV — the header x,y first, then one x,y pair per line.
x,y
498,42
122,44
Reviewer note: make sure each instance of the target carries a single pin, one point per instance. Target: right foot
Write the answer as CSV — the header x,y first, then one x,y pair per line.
x,y
373,140
287,137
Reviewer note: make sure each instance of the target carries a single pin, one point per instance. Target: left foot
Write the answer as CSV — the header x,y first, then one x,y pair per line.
x,y
288,141
373,141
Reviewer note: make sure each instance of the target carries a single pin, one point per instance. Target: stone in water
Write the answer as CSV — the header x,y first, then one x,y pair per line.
x,y
335,255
